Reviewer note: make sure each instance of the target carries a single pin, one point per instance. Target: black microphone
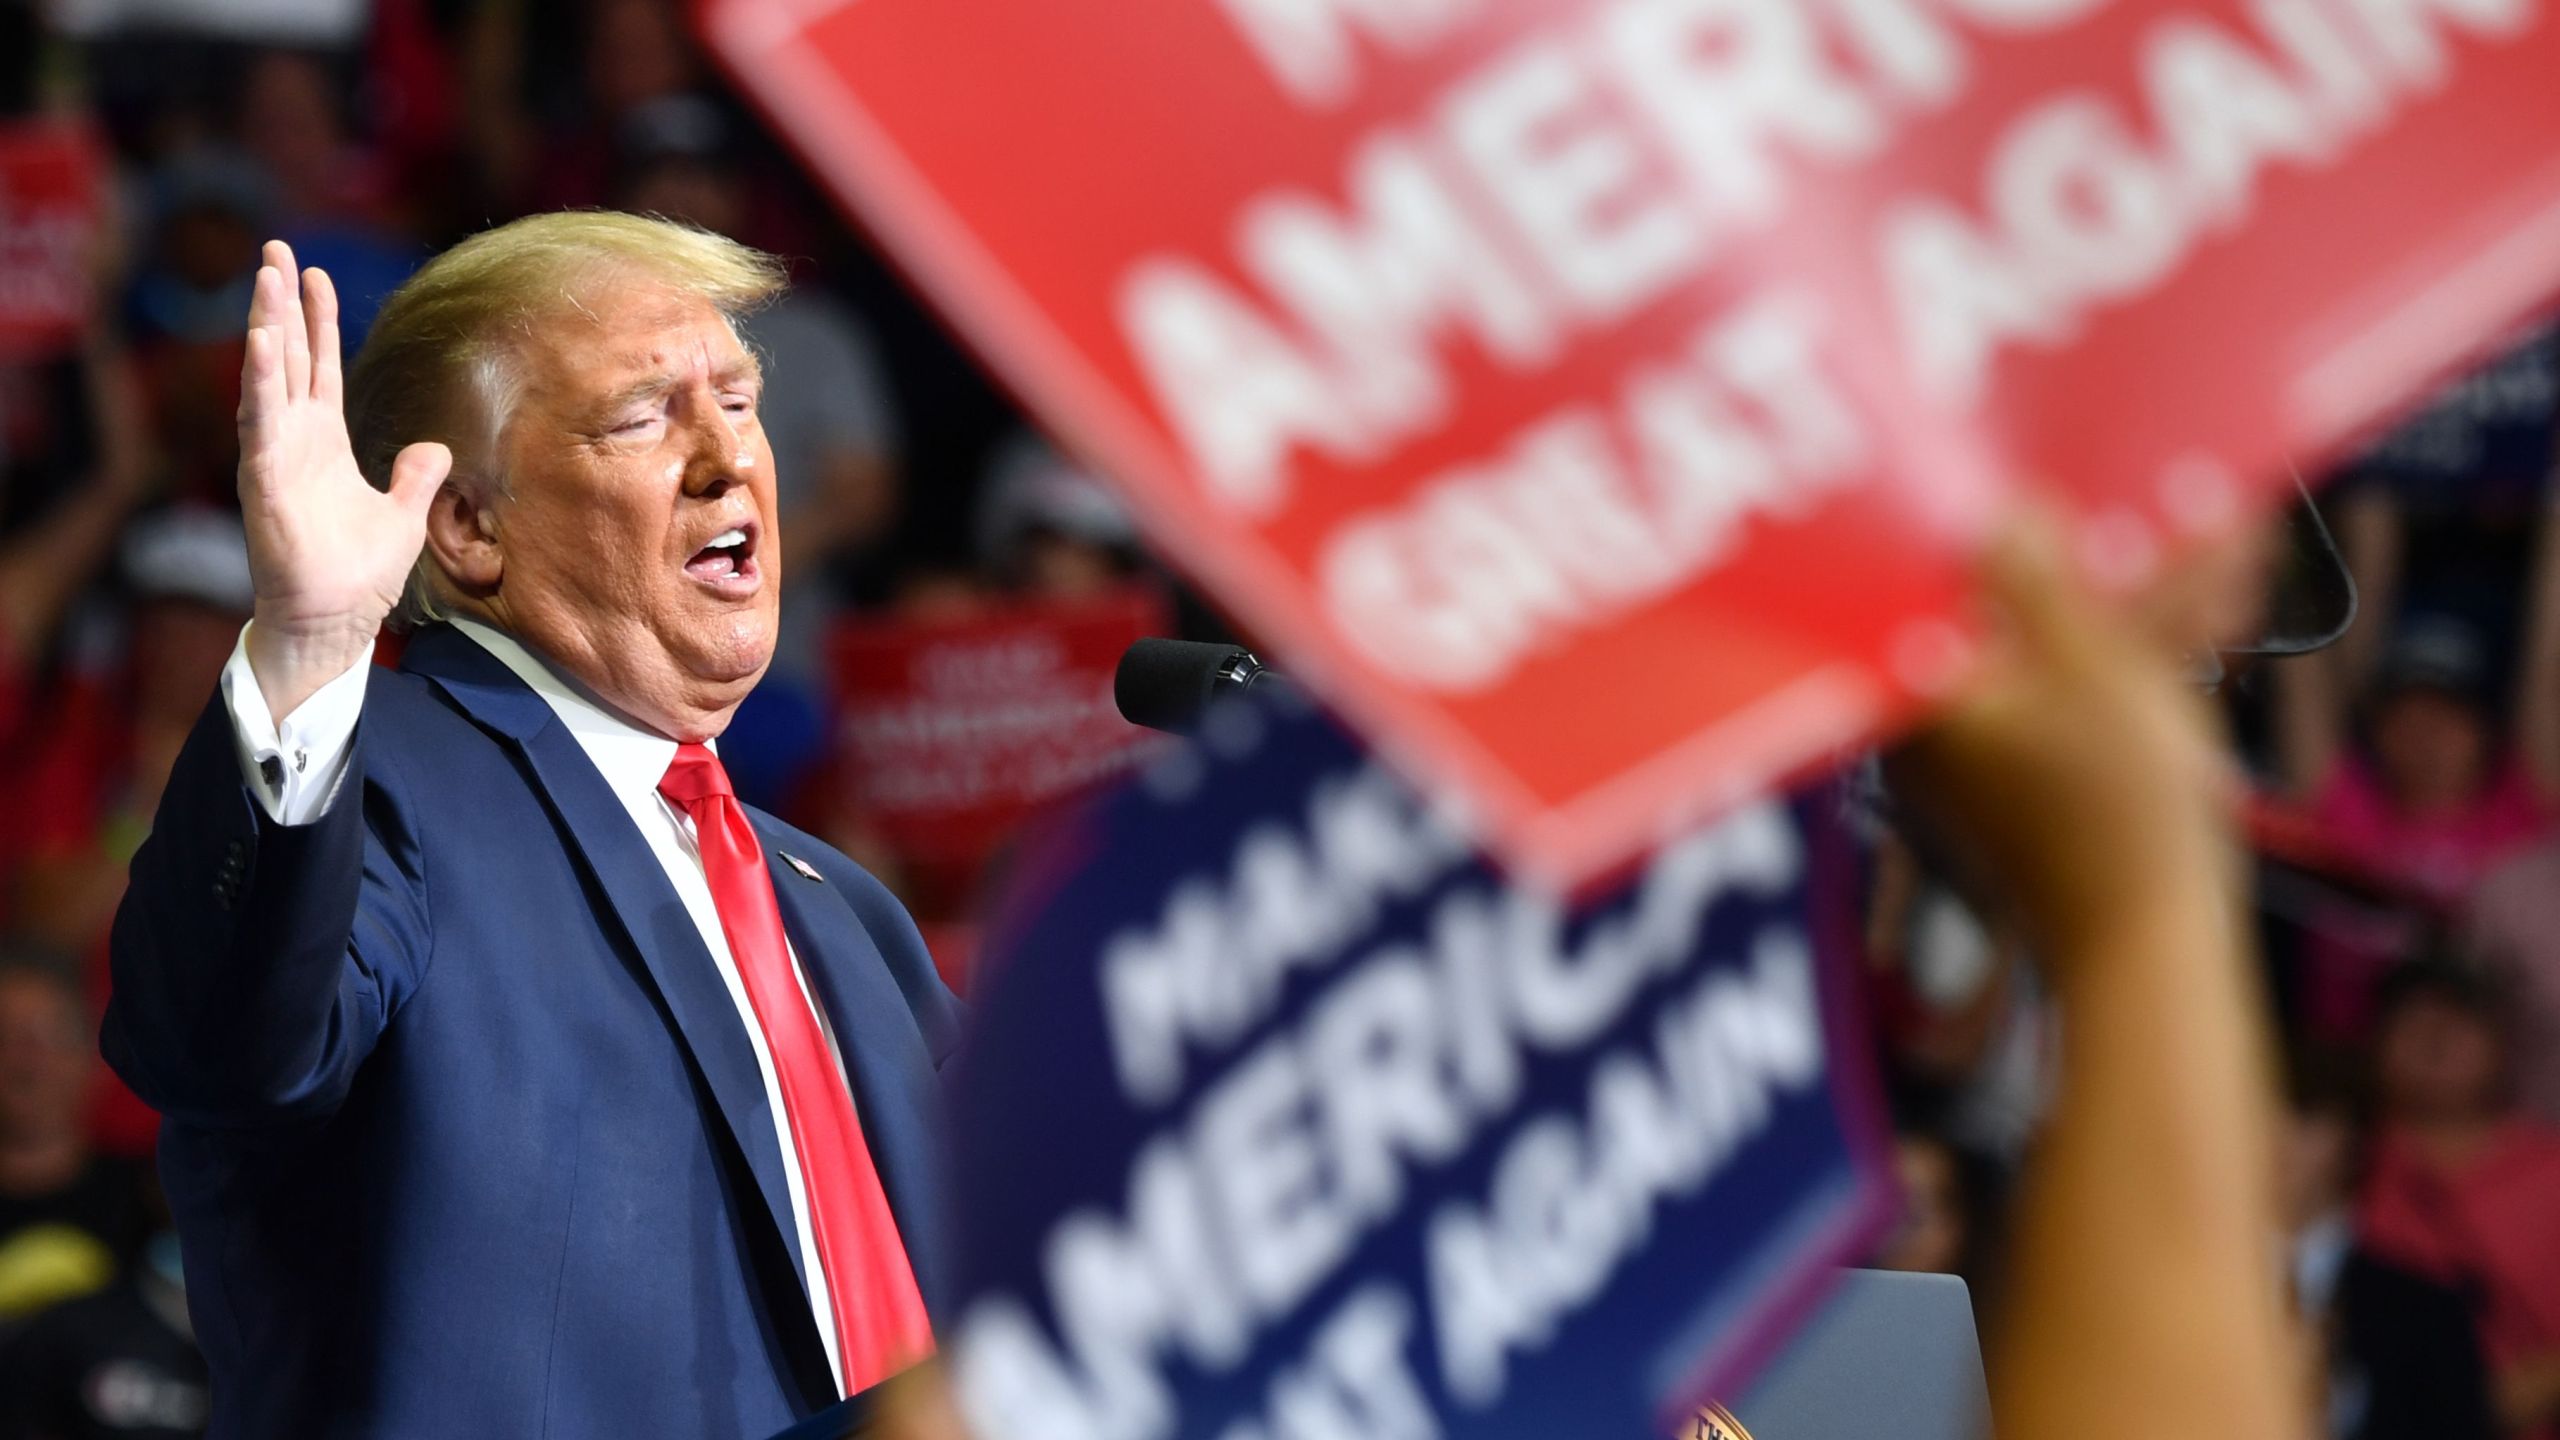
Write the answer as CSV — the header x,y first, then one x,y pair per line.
x,y
1167,684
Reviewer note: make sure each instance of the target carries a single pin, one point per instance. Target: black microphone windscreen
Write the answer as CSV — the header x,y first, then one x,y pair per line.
x,y
1165,684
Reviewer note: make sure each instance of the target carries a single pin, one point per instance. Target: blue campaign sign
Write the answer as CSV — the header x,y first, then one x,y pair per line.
x,y
1285,1118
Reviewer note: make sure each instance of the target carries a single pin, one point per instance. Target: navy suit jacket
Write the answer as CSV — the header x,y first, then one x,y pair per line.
x,y
464,1136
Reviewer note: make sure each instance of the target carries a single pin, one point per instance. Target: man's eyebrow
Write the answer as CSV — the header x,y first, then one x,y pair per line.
x,y
647,388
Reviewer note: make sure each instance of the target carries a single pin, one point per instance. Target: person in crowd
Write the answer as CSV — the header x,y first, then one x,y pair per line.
x,y
409,110
205,208
47,561
1962,1017
292,121
2394,1352
2394,741
1048,528
941,594
2512,927
120,705
498,1043
119,709
333,196
2462,1188
2443,795
1935,1233
119,1364
548,88
69,1216
2428,800
2512,920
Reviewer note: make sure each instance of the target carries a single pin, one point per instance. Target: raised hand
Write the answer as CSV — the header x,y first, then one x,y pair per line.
x,y
2082,767
328,552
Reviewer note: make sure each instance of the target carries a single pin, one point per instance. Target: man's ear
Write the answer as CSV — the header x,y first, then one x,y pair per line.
x,y
462,535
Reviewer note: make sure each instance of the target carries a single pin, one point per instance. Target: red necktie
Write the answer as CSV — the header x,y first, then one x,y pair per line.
x,y
880,1320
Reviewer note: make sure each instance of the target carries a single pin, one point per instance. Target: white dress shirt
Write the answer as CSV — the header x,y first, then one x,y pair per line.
x,y
295,767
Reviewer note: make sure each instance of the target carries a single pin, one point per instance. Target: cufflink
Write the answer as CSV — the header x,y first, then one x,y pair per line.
x,y
806,870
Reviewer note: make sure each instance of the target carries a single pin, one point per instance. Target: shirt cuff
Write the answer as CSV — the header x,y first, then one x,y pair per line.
x,y
293,767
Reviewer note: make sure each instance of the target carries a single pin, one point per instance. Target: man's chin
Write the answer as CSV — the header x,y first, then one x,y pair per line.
x,y
708,690
737,659
740,672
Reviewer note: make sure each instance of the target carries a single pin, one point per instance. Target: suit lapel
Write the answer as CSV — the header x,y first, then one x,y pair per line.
x,y
622,866
884,1055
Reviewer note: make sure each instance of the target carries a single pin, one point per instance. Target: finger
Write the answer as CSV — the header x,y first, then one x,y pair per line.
x,y
260,311
320,302
2024,569
418,473
2044,607
289,319
261,369
2215,596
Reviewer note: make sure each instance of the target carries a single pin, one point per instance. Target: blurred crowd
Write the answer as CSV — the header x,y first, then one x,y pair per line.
x,y
2408,878
2405,828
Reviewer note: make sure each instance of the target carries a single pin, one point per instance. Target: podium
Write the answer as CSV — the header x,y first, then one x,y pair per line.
x,y
1886,1355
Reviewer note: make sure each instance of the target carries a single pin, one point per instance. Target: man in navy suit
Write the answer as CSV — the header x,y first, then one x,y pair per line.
x,y
518,1080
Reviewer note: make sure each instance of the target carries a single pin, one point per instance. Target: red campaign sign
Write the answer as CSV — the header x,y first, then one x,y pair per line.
x,y
52,205
951,732
1599,398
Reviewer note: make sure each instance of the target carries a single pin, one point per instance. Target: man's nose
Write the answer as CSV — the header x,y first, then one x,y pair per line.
x,y
715,457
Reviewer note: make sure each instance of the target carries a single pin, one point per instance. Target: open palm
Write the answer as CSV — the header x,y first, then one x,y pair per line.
x,y
328,552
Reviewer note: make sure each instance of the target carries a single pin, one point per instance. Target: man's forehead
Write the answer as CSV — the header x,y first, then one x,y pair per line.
x,y
717,353
618,340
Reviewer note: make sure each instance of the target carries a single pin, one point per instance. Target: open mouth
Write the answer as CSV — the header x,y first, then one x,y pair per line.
x,y
728,562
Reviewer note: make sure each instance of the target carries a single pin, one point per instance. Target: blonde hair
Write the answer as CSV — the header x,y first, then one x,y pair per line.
x,y
440,361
